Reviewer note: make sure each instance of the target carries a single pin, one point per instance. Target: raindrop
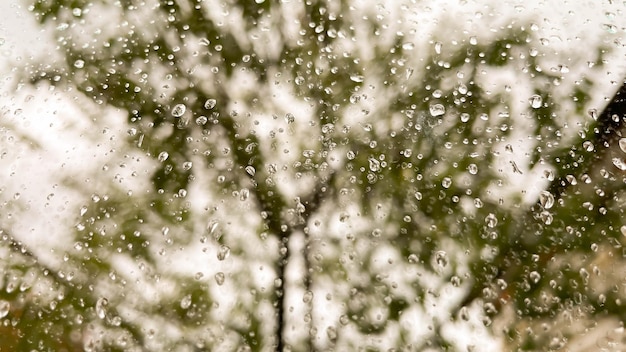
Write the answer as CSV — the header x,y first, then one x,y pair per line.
x,y
414,259
593,113
374,165
446,182
438,46
619,163
79,63
534,277
250,170
187,165
472,169
331,332
289,118
441,258
219,278
465,117
546,199
491,220
163,156
535,101
101,305
185,302
437,110
376,232
546,217
622,144
223,252
464,314
201,120
408,46
210,104
356,78
179,110
5,307
307,297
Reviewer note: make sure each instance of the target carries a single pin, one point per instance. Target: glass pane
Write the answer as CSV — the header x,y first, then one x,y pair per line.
x,y
311,175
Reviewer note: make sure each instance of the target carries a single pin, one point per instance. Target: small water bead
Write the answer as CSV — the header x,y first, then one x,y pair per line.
x,y
546,199
185,302
437,110
179,110
491,220
535,101
622,144
163,156
219,278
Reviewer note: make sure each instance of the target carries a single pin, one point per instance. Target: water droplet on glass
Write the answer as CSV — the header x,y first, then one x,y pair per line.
x,y
534,277
101,307
546,199
472,169
223,252
446,182
357,78
5,307
210,104
408,46
289,118
465,117
163,156
187,165
185,302
441,258
331,332
179,110
546,217
535,101
376,232
438,46
593,113
250,170
619,163
622,144
79,63
413,259
437,110
374,165
307,297
219,278
491,220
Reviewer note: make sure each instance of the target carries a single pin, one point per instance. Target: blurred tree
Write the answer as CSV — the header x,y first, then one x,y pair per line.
x,y
319,179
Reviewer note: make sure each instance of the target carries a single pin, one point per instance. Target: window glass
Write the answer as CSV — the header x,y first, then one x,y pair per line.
x,y
308,175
